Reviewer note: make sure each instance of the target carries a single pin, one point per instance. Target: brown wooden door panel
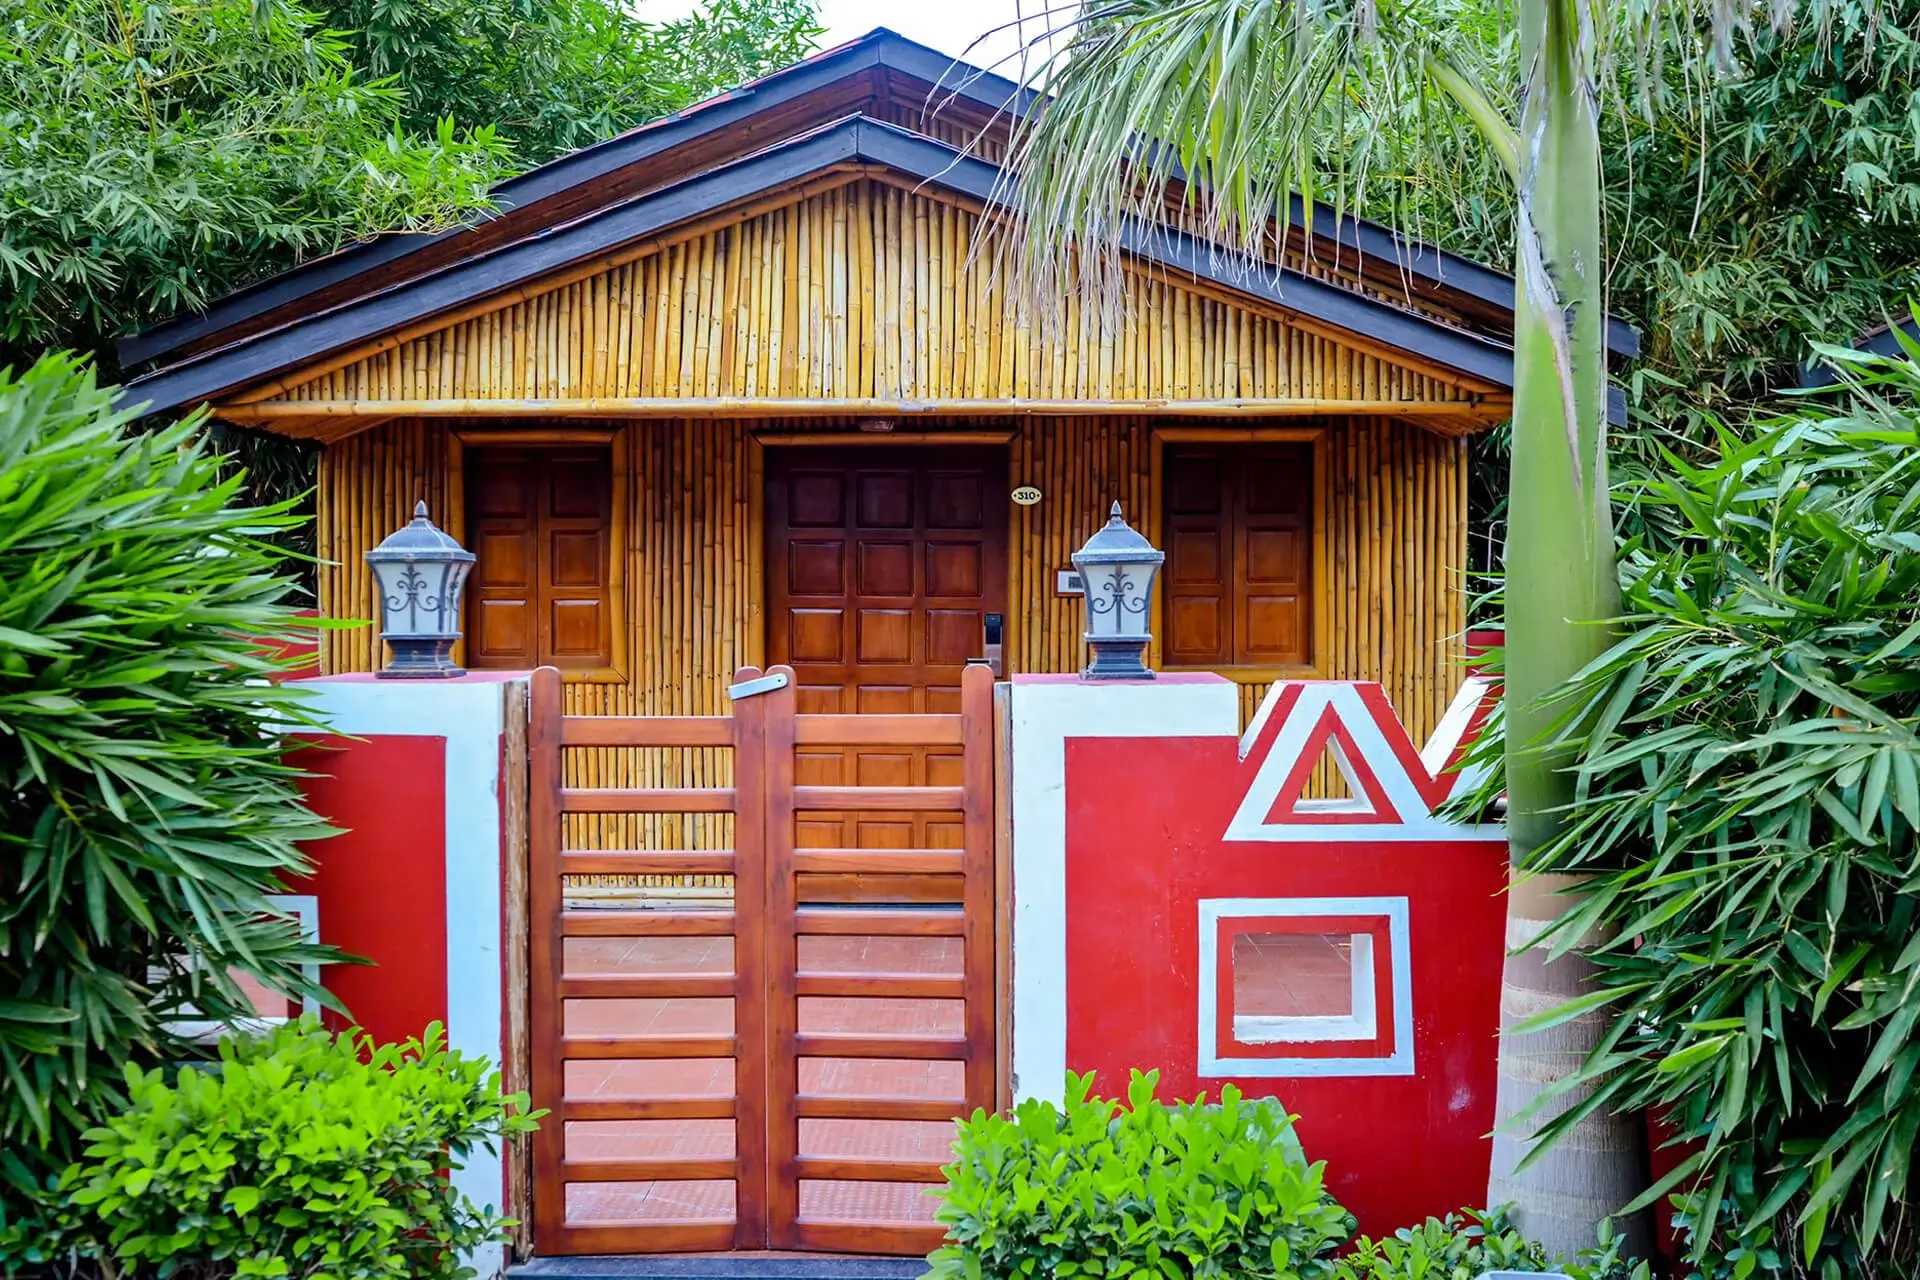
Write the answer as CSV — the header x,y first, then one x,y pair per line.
x,y
886,562
1238,525
540,525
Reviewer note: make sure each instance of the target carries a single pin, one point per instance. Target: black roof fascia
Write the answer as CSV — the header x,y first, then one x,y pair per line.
x,y
855,138
879,48
1816,374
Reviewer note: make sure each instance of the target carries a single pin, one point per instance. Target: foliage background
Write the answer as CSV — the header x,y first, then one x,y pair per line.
x,y
1752,212
1746,830
158,154
553,75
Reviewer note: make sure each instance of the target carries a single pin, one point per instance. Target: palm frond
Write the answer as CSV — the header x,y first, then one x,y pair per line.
x,y
1210,117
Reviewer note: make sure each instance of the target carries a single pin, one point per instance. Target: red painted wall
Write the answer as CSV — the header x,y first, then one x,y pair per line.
x,y
1145,819
381,883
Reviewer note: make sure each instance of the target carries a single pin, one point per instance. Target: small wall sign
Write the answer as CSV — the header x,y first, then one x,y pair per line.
x,y
1026,496
1067,582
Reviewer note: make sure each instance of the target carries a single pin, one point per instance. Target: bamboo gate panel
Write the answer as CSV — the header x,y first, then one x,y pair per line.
x,y
583,1002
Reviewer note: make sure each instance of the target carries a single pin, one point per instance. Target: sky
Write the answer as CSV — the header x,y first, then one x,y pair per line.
x,y
947,25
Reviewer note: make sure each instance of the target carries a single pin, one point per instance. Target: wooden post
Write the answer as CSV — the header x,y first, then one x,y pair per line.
x,y
977,937
750,1003
548,1074
516,1070
782,985
1002,897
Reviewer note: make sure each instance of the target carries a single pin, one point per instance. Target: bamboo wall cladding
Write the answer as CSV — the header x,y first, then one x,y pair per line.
x,y
1395,504
367,487
693,582
1395,518
861,291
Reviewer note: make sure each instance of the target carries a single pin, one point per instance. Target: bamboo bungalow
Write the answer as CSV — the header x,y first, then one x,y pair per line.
x,y
731,389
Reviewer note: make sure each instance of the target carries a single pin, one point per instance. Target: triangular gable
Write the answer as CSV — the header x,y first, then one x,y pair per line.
x,y
1394,790
898,309
1470,366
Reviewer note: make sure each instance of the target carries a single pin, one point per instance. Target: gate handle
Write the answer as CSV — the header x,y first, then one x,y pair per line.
x,y
757,685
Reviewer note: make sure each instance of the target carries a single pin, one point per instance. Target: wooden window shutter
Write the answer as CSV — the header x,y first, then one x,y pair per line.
x,y
1239,575
539,521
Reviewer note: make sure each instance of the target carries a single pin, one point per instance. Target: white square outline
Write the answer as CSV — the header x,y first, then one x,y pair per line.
x,y
1215,910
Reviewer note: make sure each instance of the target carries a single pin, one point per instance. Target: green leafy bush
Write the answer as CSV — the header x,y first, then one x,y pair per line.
x,y
1457,1247
1472,1243
1747,831
301,1154
146,811
155,156
1101,1189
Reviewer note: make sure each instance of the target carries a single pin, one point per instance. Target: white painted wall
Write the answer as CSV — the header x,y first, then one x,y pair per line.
x,y
1044,712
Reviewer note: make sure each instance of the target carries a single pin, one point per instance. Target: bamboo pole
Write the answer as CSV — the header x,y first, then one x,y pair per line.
x,y
1467,415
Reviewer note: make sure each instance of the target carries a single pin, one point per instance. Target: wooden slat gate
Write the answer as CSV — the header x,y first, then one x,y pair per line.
x,y
612,1168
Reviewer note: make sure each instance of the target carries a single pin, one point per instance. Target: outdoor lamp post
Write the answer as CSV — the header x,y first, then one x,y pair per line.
x,y
418,573
1117,568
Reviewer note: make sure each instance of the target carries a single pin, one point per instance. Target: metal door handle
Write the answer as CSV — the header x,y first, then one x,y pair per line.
x,y
995,650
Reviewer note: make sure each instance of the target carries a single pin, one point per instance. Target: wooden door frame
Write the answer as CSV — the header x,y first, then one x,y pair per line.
x,y
1168,437
621,547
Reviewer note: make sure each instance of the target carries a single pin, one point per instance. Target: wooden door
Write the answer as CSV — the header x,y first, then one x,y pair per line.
x,y
539,521
884,565
1239,575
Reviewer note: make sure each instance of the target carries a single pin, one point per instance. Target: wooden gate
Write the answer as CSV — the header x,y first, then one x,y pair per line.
x,y
685,1053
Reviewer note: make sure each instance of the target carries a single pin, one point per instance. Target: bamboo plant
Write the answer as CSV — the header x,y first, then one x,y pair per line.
x,y
1218,113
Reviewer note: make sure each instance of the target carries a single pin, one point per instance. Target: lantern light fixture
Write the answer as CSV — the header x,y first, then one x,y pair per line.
x,y
1117,568
419,573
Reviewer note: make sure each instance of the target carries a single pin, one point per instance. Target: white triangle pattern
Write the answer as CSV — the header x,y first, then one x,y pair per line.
x,y
1372,739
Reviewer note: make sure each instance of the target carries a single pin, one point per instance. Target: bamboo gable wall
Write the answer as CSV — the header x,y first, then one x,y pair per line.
x,y
861,291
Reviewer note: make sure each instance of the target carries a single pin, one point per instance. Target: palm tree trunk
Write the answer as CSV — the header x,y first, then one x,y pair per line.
x,y
1560,587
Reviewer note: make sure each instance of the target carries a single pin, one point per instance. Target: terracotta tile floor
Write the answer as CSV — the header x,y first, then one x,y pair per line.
x,y
866,1202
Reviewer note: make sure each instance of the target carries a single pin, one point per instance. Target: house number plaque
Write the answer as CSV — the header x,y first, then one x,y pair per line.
x,y
1026,496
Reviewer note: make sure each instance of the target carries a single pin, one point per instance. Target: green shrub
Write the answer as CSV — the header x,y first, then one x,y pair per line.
x,y
1457,1247
300,1154
1472,1243
146,811
1191,1189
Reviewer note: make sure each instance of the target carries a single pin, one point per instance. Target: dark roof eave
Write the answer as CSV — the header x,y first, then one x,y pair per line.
x,y
880,48
1884,342
1439,266
854,139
